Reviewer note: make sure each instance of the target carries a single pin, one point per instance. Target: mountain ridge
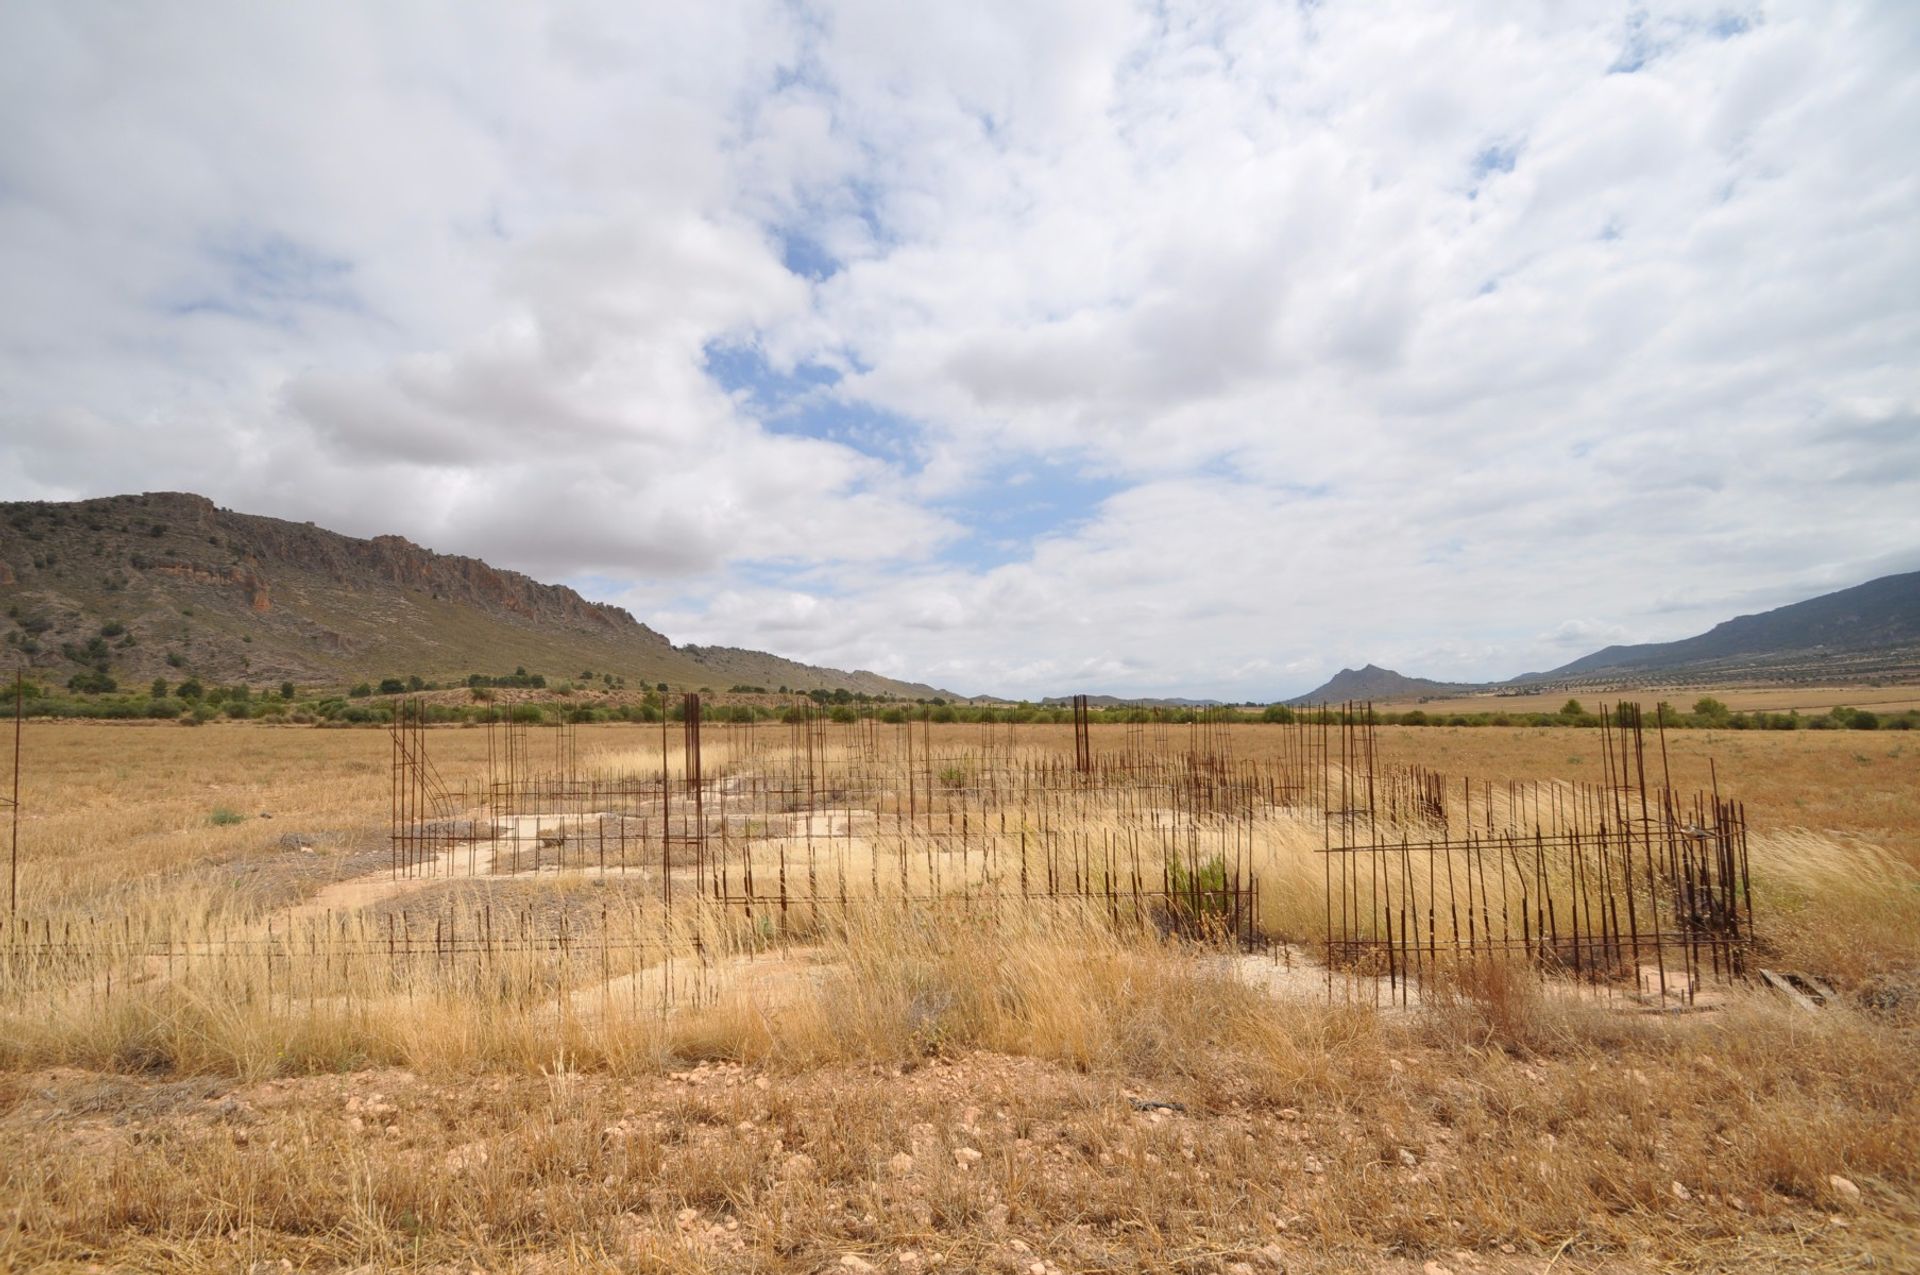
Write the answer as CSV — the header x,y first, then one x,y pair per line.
x,y
187,587
1372,682
1870,629
1884,612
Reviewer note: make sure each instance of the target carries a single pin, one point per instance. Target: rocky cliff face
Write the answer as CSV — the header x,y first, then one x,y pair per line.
x,y
271,547
168,584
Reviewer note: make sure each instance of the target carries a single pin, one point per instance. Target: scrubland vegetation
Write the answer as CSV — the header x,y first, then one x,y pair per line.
x,y
942,1087
588,698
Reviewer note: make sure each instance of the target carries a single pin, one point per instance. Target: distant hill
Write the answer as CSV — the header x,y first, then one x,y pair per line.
x,y
1868,631
1116,701
1376,683
1880,615
167,584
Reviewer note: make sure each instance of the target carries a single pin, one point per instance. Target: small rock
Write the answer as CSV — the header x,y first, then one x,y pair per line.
x,y
1843,1187
854,1262
1680,1192
1434,1268
966,1155
901,1164
1408,1158
1312,1165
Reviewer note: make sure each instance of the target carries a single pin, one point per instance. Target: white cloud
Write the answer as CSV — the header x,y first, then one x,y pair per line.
x,y
1448,338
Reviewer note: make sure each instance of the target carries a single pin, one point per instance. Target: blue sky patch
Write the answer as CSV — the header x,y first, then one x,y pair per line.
x,y
803,256
1007,511
265,278
804,403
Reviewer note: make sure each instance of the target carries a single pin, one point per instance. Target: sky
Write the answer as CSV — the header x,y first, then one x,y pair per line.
x,y
1022,348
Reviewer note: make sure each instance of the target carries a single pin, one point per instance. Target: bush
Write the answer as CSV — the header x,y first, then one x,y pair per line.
x,y
360,691
1198,894
225,818
527,714
286,690
392,686
238,710
92,683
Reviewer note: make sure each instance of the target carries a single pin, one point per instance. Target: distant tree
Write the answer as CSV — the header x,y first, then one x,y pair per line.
x,y
391,686
416,683
359,691
1710,711
286,690
191,690
159,688
1572,709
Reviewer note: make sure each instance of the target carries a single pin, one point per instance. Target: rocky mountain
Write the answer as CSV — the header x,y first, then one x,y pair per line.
x,y
1881,615
1375,683
1870,631
167,584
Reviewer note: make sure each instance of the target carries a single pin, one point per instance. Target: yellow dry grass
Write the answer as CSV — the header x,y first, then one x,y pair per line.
x,y
535,1115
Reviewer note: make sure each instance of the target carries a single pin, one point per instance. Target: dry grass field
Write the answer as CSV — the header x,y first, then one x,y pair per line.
x,y
943,1088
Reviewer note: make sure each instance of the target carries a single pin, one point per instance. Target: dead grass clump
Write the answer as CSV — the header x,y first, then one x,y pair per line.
x,y
1837,907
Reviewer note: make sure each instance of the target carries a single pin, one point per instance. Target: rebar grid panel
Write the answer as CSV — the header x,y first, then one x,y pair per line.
x,y
1621,882
779,829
